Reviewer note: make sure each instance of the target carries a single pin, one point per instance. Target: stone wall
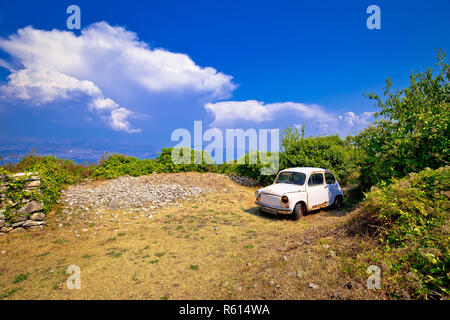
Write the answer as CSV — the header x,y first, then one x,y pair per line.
x,y
27,213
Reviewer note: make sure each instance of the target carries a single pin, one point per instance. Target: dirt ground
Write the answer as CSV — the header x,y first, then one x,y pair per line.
x,y
215,246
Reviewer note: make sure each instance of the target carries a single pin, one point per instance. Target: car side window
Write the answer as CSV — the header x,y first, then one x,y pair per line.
x,y
329,178
316,179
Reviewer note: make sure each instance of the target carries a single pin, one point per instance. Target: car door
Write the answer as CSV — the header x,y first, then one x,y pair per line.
x,y
317,191
333,187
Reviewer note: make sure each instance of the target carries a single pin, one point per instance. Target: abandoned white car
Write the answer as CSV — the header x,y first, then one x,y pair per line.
x,y
298,190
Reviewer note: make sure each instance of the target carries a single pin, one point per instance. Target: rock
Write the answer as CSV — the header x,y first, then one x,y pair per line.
x,y
29,175
33,184
326,246
300,274
6,229
2,223
129,193
32,223
284,257
17,230
271,283
18,224
38,216
313,286
19,218
32,206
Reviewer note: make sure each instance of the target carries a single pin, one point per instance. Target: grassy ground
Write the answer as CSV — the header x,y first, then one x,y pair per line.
x,y
217,246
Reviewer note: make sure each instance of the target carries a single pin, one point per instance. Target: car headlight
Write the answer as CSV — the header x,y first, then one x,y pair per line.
x,y
284,199
257,194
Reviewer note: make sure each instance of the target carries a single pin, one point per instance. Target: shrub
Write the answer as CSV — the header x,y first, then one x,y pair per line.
x,y
330,152
165,163
412,129
117,165
251,164
410,218
54,173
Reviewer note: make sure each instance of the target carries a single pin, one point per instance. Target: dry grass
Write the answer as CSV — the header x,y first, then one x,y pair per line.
x,y
216,246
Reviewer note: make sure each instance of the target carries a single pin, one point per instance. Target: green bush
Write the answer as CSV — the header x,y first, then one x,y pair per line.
x,y
330,152
251,164
117,165
54,173
410,217
165,163
412,131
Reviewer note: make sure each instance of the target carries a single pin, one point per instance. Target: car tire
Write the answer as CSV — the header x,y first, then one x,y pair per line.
x,y
338,203
298,212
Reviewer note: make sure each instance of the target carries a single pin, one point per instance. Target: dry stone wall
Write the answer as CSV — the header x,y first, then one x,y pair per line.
x,y
26,213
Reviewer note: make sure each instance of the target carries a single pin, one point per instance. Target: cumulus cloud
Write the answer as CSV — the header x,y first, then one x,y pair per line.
x,y
227,112
317,119
53,65
118,120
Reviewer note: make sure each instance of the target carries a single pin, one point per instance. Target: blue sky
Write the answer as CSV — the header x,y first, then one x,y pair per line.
x,y
140,69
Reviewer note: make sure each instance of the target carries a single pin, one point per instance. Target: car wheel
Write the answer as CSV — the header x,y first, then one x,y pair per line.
x,y
298,211
338,203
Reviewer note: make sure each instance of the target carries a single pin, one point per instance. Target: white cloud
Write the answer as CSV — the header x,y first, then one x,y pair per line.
x,y
118,120
316,118
104,104
227,112
52,65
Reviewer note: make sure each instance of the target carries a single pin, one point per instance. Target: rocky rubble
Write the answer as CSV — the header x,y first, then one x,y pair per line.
x,y
128,192
26,213
243,181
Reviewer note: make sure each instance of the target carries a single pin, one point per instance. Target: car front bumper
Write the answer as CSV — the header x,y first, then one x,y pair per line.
x,y
273,210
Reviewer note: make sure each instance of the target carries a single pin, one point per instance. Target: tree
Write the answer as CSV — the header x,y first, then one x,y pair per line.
x,y
412,127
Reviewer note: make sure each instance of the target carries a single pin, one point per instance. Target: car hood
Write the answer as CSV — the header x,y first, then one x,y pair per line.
x,y
282,188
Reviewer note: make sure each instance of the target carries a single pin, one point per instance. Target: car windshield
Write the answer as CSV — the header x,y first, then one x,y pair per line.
x,y
291,177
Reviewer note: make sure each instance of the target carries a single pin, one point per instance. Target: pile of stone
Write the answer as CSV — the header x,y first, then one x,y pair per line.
x,y
243,181
127,192
26,213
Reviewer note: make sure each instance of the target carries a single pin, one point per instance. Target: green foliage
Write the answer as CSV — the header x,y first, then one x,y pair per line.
x,y
411,218
15,192
198,161
251,165
117,165
330,152
412,128
54,172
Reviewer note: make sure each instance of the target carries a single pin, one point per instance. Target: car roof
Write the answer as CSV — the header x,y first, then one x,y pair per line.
x,y
305,170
